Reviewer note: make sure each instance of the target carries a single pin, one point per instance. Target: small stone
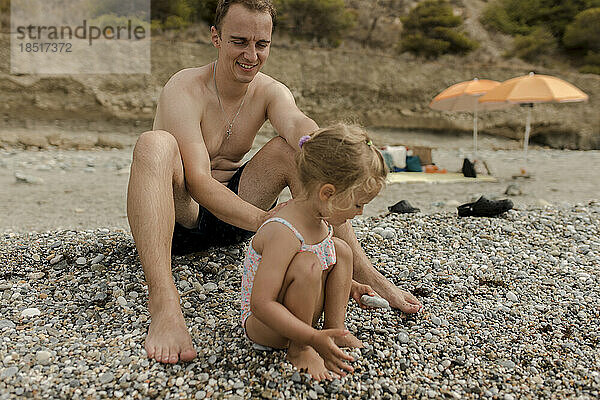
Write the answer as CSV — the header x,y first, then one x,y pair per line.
x,y
203,377
212,359
210,286
81,261
201,394
317,388
43,357
9,372
312,394
6,323
179,381
106,377
436,320
30,312
296,377
403,337
121,301
238,385
512,297
56,259
374,301
97,259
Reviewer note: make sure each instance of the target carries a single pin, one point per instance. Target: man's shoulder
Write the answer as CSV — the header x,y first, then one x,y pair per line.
x,y
189,78
189,84
269,85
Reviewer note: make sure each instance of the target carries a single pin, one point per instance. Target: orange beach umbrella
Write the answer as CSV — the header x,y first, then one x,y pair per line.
x,y
463,96
530,89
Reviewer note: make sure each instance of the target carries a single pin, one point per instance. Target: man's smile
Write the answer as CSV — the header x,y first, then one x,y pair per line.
x,y
246,67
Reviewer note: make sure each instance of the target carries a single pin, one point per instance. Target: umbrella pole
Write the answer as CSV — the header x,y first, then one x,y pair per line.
x,y
527,130
475,133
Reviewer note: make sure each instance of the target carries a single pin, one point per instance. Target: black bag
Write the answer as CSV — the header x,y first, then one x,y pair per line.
x,y
468,169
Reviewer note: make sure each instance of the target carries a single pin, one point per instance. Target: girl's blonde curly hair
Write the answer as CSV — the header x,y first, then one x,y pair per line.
x,y
344,156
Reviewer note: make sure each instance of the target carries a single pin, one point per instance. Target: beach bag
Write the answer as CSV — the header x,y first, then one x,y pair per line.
x,y
413,164
468,169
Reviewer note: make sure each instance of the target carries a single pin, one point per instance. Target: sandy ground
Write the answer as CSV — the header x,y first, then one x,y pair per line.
x,y
87,189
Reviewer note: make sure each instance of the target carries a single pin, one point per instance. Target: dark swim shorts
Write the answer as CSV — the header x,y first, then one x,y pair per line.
x,y
211,231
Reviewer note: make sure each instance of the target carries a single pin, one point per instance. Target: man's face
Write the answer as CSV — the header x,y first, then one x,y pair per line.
x,y
244,42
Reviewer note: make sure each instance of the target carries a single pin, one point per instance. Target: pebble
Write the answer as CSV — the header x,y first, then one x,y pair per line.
x,y
5,323
43,357
106,377
512,297
403,337
30,312
464,344
374,301
210,286
121,301
9,372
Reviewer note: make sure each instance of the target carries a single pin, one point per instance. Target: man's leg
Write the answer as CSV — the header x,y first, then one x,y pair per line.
x,y
270,170
364,272
155,196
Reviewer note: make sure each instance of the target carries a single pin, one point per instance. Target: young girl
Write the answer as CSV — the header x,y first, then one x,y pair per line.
x,y
294,269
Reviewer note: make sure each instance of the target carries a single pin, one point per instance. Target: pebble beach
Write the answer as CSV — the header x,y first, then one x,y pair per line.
x,y
511,311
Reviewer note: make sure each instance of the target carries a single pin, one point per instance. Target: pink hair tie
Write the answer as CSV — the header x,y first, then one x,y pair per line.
x,y
303,140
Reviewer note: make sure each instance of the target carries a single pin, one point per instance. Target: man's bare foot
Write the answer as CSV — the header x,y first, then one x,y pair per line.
x,y
348,340
168,339
398,298
306,357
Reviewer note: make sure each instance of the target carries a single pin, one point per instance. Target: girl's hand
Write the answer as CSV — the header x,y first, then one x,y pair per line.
x,y
358,290
322,342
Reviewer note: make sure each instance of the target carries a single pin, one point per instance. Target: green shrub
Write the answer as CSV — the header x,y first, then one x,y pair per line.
x,y
584,32
323,20
431,29
532,47
590,69
508,16
204,10
172,14
517,17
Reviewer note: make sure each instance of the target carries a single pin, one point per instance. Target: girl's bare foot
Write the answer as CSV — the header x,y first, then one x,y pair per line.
x,y
168,339
348,340
305,357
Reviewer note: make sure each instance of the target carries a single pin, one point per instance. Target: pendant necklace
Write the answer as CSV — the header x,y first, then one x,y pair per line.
x,y
230,124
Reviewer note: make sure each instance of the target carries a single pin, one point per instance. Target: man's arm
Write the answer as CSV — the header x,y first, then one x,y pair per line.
x,y
179,115
287,119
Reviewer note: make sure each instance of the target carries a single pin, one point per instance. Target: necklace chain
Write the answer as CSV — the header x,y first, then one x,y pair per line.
x,y
230,124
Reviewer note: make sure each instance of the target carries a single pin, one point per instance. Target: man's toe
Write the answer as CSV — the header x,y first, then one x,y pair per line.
x,y
173,358
150,350
158,354
187,354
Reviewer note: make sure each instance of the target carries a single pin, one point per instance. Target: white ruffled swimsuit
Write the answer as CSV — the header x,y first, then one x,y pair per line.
x,y
324,250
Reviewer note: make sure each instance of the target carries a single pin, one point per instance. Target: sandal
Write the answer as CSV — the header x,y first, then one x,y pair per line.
x,y
403,207
485,208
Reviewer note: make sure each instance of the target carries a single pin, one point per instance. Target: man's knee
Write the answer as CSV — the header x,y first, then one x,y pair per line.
x,y
155,147
280,151
343,252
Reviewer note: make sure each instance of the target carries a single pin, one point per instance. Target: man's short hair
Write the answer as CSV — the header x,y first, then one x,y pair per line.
x,y
265,6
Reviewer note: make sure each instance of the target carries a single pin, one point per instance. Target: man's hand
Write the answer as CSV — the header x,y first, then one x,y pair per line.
x,y
358,290
270,213
322,342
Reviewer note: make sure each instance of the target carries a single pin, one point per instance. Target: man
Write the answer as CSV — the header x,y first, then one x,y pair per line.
x,y
188,185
